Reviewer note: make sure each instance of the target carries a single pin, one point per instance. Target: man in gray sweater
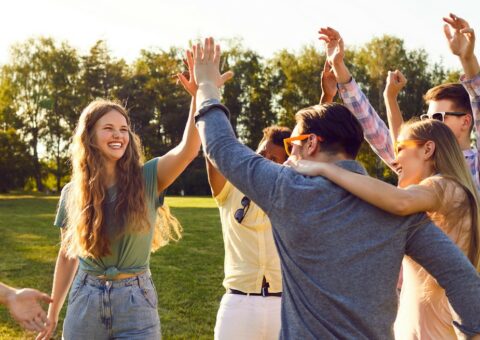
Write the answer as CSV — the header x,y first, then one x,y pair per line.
x,y
340,256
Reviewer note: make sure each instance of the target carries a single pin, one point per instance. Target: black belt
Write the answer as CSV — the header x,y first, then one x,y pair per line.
x,y
264,293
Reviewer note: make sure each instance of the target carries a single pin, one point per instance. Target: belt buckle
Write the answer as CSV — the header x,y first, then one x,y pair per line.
x,y
264,291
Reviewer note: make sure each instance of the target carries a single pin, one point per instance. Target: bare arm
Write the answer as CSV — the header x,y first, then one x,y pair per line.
x,y
395,83
328,84
174,162
413,199
215,178
65,269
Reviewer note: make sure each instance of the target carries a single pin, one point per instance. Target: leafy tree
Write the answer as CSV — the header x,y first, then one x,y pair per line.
x,y
15,161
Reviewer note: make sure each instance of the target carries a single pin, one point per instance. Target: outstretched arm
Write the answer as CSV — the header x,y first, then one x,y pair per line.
x,y
374,128
249,172
435,252
461,40
215,178
415,198
65,269
24,306
328,84
396,81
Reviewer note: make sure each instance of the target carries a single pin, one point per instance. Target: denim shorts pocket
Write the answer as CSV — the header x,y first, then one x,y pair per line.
x,y
149,294
75,290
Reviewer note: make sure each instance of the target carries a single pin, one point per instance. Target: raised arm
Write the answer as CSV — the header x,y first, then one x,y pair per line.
x,y
461,40
328,84
413,199
215,178
396,81
435,252
374,128
252,174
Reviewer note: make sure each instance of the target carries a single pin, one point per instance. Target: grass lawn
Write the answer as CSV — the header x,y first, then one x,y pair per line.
x,y
188,274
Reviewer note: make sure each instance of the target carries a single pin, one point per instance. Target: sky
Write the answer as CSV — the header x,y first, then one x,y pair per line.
x,y
265,26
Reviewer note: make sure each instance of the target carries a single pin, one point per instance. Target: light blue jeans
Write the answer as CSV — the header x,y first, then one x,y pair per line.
x,y
123,309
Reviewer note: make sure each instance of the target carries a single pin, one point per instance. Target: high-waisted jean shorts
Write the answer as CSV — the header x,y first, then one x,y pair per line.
x,y
100,309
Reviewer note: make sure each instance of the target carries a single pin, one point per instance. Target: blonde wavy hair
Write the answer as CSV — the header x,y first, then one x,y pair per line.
x,y
86,231
449,162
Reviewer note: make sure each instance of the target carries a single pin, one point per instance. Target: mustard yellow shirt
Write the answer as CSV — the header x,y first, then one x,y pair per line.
x,y
250,252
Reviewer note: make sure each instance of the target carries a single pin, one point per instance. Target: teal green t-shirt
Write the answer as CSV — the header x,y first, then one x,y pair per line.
x,y
130,253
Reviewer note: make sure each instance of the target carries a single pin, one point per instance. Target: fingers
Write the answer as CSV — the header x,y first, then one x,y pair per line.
x,y
330,33
226,77
327,68
38,324
189,61
448,33
44,297
217,54
209,52
182,79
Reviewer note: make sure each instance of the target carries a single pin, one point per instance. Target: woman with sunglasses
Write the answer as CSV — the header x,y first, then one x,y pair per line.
x,y
432,177
250,308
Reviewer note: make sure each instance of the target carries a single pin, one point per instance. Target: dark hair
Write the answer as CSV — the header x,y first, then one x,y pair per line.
x,y
451,91
275,134
340,130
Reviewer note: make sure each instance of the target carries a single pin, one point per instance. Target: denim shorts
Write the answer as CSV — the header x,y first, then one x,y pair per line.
x,y
123,309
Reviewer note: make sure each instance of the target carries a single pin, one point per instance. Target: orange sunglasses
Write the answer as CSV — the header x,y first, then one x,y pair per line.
x,y
409,143
287,142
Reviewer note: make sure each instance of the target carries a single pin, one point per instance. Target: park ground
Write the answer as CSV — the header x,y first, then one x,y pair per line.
x,y
188,274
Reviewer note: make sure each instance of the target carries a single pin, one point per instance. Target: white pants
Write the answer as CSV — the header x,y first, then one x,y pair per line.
x,y
248,317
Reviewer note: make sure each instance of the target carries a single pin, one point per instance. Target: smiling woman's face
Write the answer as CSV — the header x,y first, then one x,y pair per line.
x,y
410,162
111,135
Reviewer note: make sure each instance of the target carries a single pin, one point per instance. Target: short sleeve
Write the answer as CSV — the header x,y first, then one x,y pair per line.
x,y
61,217
224,193
151,183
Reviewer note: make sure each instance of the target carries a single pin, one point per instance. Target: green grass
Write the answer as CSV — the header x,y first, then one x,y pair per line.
x,y
188,274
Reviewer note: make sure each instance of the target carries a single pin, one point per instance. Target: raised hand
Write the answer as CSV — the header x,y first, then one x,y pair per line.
x,y
24,306
396,81
186,78
328,84
334,48
460,36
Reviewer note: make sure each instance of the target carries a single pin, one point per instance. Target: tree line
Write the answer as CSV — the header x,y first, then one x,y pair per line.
x,y
46,84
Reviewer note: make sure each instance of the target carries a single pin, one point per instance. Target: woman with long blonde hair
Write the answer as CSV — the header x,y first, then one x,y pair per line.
x,y
111,217
432,177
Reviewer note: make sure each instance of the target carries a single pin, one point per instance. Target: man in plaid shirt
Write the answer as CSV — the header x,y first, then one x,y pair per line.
x,y
448,102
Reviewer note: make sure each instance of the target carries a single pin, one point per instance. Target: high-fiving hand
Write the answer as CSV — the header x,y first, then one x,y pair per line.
x,y
187,79
333,45
460,36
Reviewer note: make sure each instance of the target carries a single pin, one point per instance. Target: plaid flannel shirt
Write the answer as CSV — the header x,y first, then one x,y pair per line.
x,y
471,156
375,130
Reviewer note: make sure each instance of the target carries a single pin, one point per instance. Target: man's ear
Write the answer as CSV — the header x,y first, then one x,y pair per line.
x,y
313,145
429,149
467,122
